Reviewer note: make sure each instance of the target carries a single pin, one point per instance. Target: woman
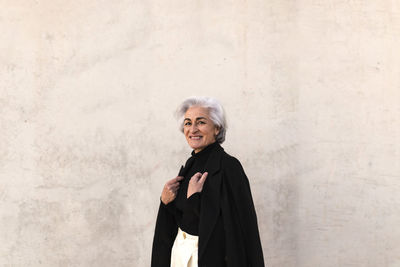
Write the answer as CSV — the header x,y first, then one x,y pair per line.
x,y
206,216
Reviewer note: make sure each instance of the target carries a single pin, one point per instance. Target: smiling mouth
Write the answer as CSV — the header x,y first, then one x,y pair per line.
x,y
196,137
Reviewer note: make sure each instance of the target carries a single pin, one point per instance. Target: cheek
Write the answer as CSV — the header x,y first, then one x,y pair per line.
x,y
211,133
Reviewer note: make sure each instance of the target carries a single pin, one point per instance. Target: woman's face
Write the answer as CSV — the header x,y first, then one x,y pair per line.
x,y
198,128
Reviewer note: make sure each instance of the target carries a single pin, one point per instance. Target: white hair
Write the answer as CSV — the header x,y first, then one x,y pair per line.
x,y
215,109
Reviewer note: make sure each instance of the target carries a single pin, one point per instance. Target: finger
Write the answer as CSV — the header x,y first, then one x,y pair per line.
x,y
179,178
171,186
203,178
175,180
175,185
196,176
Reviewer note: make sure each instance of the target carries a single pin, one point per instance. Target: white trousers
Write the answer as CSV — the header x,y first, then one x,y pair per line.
x,y
184,250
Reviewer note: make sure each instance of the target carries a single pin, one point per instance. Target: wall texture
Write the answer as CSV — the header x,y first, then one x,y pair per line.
x,y
88,138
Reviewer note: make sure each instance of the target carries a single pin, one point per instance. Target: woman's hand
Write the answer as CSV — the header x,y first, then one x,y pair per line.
x,y
196,183
170,189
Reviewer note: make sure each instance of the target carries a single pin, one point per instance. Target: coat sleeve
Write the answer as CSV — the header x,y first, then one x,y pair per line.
x,y
242,215
164,237
169,207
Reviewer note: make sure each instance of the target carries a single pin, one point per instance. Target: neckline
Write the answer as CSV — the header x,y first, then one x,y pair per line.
x,y
205,151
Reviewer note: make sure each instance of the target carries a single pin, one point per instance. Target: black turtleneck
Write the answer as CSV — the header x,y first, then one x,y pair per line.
x,y
187,212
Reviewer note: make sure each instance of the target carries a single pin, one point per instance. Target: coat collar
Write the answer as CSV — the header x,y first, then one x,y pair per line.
x,y
213,162
211,165
210,198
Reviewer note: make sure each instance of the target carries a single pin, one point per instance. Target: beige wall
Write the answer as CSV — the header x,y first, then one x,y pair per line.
x,y
87,133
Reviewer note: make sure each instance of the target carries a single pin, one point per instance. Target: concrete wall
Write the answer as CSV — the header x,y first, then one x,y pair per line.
x,y
88,138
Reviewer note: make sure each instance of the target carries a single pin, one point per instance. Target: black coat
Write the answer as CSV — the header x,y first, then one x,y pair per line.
x,y
228,230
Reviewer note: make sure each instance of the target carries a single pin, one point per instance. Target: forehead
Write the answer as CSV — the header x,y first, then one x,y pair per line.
x,y
195,112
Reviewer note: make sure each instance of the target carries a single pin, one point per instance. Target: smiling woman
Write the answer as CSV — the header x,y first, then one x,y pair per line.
x,y
206,215
199,129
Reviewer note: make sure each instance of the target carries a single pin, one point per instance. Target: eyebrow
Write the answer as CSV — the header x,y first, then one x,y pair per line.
x,y
198,118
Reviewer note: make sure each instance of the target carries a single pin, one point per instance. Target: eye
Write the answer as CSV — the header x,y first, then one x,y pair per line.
x,y
188,123
202,122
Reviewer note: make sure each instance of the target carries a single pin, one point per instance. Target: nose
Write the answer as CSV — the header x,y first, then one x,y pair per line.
x,y
193,128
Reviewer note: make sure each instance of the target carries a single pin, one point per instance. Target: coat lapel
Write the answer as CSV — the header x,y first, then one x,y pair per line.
x,y
210,199
183,171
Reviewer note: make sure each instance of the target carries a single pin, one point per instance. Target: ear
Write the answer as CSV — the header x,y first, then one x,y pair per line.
x,y
216,131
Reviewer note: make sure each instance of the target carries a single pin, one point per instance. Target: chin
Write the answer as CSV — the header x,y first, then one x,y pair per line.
x,y
196,146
